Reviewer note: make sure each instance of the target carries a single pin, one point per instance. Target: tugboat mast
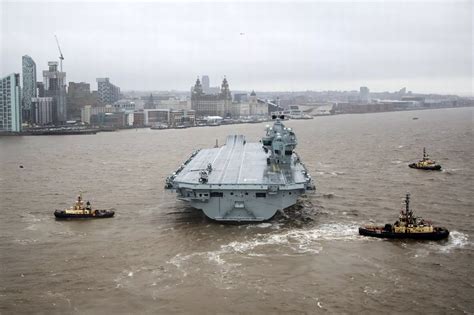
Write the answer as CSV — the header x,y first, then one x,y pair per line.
x,y
407,212
407,203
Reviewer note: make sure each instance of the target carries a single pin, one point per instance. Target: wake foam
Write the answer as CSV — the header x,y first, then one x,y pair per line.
x,y
298,241
456,240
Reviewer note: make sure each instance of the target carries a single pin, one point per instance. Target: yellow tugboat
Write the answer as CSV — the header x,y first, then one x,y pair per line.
x,y
79,210
407,226
426,163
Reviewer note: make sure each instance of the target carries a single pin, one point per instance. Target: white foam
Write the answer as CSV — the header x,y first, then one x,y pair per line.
x,y
456,240
215,257
300,241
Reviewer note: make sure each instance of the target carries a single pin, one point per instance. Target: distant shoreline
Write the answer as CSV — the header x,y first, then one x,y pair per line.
x,y
91,131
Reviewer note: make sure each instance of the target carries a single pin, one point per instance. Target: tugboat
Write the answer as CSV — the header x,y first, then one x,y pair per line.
x,y
407,227
79,211
426,163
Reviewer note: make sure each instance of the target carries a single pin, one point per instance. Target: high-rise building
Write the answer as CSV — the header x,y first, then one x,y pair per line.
x,y
10,104
40,89
78,96
29,87
79,90
42,110
211,104
108,93
205,83
55,87
364,94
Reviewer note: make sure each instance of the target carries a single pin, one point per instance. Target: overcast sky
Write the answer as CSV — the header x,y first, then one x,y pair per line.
x,y
273,46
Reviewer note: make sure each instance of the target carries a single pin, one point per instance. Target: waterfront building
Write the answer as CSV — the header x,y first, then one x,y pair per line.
x,y
29,87
139,119
174,103
124,105
55,86
108,119
257,107
88,111
154,117
182,118
211,104
10,104
240,97
42,110
239,110
108,93
172,118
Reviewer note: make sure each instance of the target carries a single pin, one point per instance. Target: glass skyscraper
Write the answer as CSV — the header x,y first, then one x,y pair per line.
x,y
29,87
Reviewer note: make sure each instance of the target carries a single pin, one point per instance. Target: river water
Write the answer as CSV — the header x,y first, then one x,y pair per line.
x,y
159,256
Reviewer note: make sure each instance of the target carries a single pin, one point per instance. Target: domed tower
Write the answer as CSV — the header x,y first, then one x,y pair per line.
x,y
197,90
253,103
253,97
225,91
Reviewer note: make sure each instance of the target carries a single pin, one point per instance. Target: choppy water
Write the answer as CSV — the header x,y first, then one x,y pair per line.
x,y
157,255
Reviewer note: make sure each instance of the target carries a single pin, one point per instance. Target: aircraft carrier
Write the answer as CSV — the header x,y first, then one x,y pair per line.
x,y
243,181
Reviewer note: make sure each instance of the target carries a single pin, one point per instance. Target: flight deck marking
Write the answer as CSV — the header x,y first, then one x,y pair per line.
x,y
241,162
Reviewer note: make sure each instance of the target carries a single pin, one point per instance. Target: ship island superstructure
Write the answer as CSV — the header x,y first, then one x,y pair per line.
x,y
242,181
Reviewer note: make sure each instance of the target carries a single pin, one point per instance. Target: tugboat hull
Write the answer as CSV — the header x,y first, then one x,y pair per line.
x,y
426,168
380,232
98,214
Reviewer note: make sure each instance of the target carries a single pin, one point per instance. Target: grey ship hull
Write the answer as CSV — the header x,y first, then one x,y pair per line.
x,y
242,185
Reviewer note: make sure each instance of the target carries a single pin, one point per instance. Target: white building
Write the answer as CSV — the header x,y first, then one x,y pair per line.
x,y
88,111
175,104
257,108
42,110
10,105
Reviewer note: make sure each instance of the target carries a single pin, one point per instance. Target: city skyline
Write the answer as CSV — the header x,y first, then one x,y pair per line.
x,y
425,47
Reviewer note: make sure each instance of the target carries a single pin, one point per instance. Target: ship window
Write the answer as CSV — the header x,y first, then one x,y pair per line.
x,y
277,152
289,193
217,194
260,195
288,152
200,195
205,195
246,193
231,193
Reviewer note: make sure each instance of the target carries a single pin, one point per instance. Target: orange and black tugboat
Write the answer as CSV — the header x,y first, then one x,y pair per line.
x,y
80,211
426,163
407,226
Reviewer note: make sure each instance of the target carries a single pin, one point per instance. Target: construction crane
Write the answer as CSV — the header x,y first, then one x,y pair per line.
x,y
61,58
